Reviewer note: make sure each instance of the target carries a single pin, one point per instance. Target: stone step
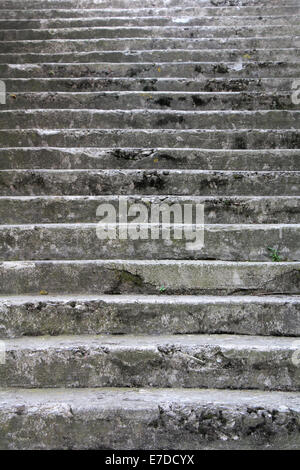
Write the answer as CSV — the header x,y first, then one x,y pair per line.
x,y
129,4
148,119
152,138
148,419
149,277
181,11
222,32
187,361
146,158
187,70
174,55
93,84
136,21
227,242
124,100
120,314
148,182
56,46
82,209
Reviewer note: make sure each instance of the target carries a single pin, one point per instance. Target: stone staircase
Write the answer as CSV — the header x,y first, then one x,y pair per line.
x,y
144,344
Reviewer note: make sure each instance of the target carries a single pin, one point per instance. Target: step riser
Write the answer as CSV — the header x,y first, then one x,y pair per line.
x,y
193,70
77,46
122,419
101,364
219,139
147,31
151,100
159,12
155,56
155,21
83,316
115,277
225,242
140,119
223,210
91,84
134,158
97,183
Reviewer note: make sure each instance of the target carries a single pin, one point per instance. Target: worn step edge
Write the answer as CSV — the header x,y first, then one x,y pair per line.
x,y
118,314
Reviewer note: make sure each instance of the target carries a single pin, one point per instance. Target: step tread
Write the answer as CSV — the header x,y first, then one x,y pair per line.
x,y
141,299
90,398
211,227
145,342
209,11
53,198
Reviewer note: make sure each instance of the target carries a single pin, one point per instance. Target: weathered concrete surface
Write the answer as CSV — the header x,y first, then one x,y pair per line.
x,y
181,10
191,70
154,56
192,361
118,314
231,242
148,419
149,119
217,210
155,20
91,4
88,84
148,31
149,277
152,138
151,158
186,101
135,44
147,182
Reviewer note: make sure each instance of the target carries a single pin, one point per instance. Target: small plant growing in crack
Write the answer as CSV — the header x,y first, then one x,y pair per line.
x,y
274,254
162,289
